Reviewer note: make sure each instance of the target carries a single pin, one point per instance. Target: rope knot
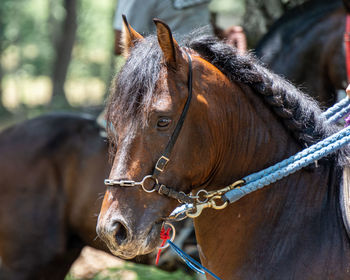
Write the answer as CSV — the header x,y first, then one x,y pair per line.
x,y
164,235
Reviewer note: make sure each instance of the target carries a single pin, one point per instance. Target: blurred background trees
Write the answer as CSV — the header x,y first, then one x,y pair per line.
x,y
54,54
57,54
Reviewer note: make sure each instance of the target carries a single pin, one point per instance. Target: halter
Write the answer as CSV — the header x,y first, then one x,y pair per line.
x,y
165,157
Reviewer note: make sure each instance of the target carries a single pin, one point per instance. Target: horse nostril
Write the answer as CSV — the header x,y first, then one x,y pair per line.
x,y
120,233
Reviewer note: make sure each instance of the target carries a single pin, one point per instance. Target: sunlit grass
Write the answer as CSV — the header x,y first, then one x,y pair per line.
x,y
130,271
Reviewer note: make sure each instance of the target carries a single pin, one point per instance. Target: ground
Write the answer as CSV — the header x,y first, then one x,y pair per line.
x,y
97,265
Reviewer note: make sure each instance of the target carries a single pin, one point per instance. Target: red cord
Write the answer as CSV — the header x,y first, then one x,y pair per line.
x,y
164,235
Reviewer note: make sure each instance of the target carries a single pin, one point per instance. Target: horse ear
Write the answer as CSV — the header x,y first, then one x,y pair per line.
x,y
130,37
169,46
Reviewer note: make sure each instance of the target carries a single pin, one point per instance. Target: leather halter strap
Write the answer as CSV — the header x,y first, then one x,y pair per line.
x,y
164,159
347,45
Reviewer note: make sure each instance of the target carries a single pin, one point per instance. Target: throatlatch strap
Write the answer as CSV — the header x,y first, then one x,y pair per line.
x,y
163,160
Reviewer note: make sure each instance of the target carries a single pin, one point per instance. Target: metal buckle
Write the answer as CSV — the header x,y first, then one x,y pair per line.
x,y
160,189
161,163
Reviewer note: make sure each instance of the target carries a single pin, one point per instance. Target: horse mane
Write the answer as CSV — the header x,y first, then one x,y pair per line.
x,y
135,87
295,23
299,113
132,89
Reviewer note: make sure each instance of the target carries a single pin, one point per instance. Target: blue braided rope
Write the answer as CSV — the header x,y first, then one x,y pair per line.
x,y
336,107
193,264
312,149
338,110
338,115
289,166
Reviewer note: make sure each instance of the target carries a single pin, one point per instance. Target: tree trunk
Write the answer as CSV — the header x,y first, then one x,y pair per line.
x,y
63,50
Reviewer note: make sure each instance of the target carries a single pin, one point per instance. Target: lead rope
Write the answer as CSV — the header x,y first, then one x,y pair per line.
x,y
168,241
289,166
337,111
193,264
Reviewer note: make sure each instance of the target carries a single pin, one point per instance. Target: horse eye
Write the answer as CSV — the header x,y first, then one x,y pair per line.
x,y
163,122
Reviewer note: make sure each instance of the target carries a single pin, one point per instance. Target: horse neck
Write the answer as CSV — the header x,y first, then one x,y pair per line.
x,y
272,224
252,138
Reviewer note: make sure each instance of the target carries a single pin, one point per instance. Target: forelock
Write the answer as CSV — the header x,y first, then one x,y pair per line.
x,y
134,88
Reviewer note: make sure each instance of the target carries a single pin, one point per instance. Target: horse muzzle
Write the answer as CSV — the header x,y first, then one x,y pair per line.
x,y
126,242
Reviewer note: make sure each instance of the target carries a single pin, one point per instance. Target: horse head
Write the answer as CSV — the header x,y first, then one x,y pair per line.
x,y
146,107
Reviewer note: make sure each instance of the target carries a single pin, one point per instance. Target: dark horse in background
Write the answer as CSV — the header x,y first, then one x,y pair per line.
x,y
306,45
52,171
241,118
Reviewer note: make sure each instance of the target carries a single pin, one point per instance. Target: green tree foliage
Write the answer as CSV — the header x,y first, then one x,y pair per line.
x,y
29,34
31,29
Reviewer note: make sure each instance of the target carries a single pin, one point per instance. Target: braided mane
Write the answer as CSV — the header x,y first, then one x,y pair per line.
x,y
133,89
299,113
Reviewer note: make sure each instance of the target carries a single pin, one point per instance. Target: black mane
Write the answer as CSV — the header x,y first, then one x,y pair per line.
x,y
134,88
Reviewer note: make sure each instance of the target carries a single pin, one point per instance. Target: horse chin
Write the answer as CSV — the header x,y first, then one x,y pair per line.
x,y
133,250
123,255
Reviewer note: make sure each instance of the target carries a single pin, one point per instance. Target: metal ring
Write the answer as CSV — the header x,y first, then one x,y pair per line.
x,y
143,182
198,197
171,239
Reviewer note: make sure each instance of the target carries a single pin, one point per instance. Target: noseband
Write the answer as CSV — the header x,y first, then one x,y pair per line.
x,y
164,159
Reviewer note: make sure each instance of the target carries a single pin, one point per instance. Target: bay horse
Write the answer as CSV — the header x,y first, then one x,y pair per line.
x,y
306,45
241,118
